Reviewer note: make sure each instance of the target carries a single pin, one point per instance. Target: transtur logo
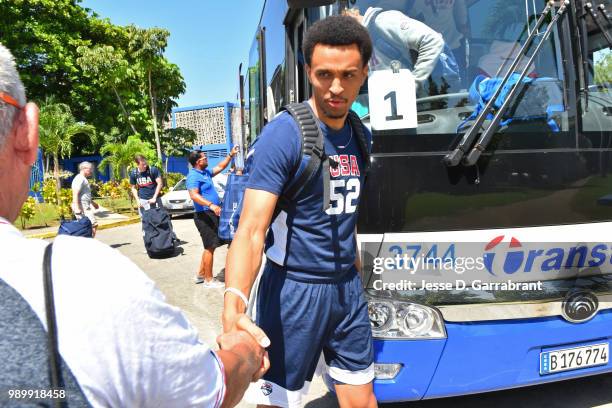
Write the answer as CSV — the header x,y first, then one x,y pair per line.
x,y
266,388
545,258
514,259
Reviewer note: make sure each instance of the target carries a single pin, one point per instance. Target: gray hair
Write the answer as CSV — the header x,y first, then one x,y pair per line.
x,y
84,165
12,85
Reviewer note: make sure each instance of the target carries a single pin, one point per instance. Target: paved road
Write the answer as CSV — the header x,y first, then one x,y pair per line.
x,y
174,276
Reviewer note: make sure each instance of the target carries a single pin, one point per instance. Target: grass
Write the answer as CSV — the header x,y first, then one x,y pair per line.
x,y
45,215
120,205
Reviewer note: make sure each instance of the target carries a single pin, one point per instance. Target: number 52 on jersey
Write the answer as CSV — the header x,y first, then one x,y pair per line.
x,y
392,100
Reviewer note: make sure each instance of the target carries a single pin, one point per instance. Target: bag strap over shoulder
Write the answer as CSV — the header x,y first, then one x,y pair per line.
x,y
54,360
357,127
313,146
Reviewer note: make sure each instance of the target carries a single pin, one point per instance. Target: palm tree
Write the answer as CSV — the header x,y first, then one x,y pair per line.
x,y
57,129
121,155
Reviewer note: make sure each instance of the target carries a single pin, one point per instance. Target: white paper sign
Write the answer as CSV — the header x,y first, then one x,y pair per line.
x,y
392,100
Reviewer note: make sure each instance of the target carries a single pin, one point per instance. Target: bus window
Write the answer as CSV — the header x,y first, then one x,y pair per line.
x,y
478,37
274,75
254,78
597,103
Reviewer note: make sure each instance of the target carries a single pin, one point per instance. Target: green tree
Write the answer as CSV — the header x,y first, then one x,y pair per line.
x,y
148,45
120,156
175,141
168,84
58,127
88,63
43,35
110,68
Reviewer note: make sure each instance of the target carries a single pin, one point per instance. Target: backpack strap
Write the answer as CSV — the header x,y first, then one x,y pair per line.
x,y
54,360
357,127
312,146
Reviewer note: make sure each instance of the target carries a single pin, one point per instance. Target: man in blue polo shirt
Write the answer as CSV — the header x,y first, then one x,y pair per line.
x,y
206,203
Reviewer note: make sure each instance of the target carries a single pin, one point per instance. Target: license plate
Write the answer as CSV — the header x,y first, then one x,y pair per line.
x,y
574,358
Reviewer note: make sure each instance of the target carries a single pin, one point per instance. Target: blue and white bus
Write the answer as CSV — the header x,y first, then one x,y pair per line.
x,y
524,185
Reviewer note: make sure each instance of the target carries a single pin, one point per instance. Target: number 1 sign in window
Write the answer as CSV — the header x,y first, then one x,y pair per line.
x,y
392,100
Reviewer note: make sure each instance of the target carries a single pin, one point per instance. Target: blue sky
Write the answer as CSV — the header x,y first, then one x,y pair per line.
x,y
208,39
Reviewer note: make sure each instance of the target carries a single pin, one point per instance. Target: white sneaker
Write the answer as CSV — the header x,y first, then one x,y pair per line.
x,y
213,283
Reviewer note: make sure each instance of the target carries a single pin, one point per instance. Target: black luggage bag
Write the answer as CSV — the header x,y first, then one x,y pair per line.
x,y
159,238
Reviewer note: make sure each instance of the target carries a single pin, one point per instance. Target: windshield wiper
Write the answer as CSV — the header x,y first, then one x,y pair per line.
x,y
454,158
602,9
604,13
487,135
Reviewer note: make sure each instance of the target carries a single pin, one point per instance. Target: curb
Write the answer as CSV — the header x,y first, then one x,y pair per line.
x,y
120,223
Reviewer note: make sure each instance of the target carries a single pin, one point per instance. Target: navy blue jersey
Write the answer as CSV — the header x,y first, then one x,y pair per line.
x,y
311,244
146,182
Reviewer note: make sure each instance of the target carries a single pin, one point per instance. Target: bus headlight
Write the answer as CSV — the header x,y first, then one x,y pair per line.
x,y
391,319
381,315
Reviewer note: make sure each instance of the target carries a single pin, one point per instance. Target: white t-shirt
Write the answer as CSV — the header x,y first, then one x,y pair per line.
x,y
81,184
125,345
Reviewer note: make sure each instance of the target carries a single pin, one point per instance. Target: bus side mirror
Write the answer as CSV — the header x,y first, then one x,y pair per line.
x,y
297,4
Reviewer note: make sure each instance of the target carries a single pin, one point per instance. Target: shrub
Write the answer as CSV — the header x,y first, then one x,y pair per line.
x,y
27,211
48,191
94,185
126,187
65,209
172,179
111,189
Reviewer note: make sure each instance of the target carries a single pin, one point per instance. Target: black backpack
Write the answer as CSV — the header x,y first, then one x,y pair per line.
x,y
313,146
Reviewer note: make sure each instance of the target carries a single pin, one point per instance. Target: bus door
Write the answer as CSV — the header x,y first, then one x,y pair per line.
x,y
297,87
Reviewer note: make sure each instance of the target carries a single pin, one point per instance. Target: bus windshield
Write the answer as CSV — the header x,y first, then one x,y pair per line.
x,y
452,47
542,156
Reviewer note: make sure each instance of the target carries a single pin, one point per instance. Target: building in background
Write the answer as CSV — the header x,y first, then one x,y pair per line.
x,y
217,127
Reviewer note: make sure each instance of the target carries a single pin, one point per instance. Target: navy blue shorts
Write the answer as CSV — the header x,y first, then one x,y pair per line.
x,y
304,319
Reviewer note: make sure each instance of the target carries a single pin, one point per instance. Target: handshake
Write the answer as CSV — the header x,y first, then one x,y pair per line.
x,y
244,356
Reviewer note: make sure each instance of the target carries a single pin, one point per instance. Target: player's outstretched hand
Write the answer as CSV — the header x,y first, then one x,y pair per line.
x,y
243,330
